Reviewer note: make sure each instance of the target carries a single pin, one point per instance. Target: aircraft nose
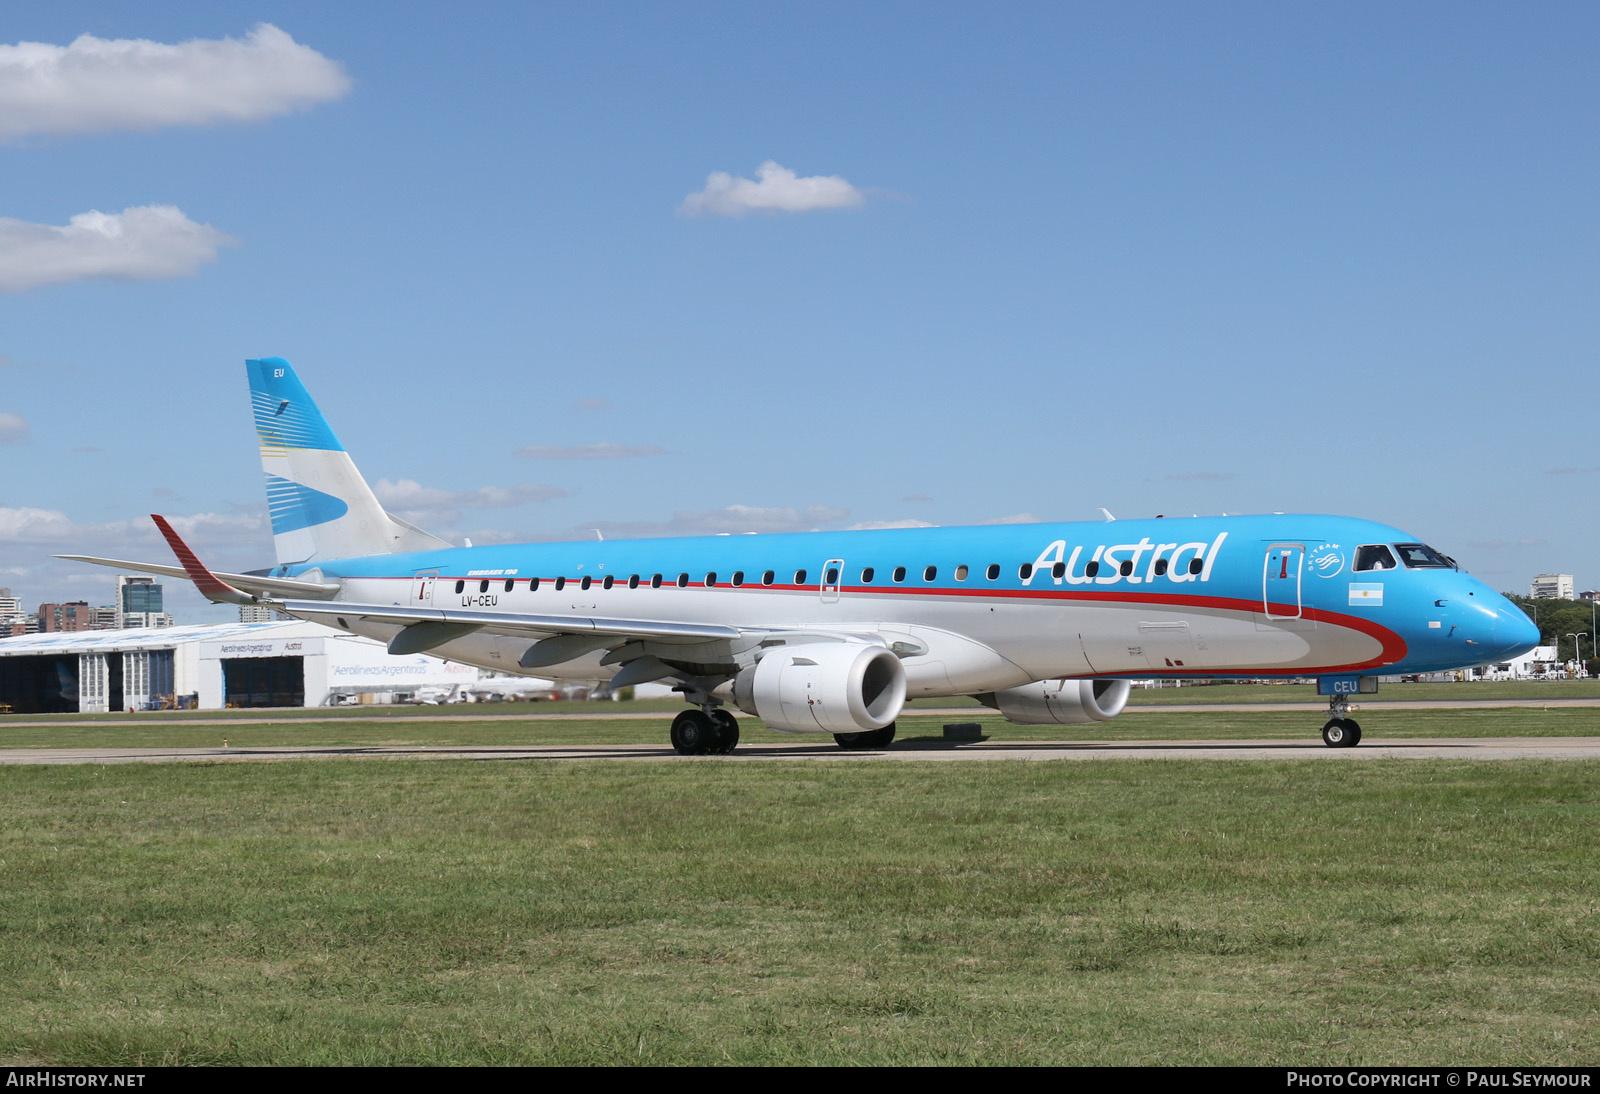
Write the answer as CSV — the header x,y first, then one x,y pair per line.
x,y
1514,632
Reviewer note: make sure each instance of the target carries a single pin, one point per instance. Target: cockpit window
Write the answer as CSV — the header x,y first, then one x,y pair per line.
x,y
1374,556
1419,556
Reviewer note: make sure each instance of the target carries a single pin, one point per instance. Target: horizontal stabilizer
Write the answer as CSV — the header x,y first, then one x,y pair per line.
x,y
250,583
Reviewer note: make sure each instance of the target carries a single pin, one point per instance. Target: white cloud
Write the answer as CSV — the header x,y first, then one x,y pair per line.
x,y
603,451
53,528
412,501
140,243
96,84
13,428
733,519
779,190
1014,518
876,525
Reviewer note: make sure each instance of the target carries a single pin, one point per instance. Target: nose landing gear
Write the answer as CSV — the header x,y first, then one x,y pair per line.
x,y
1341,730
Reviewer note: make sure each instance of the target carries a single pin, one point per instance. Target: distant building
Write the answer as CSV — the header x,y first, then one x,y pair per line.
x,y
1551,587
255,613
13,620
65,618
138,603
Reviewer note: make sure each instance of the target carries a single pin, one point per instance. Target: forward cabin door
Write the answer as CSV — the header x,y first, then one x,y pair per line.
x,y
1280,580
832,577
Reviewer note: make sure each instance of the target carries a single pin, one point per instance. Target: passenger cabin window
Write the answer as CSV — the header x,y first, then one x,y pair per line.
x,y
1374,556
1419,556
866,576
930,573
711,580
993,572
1025,571
961,573
1195,566
584,584
460,585
633,581
768,577
609,581
1161,567
483,586
683,581
899,573
655,581
1127,567
533,584
1058,571
509,583
561,583
832,577
738,577
1092,569
799,577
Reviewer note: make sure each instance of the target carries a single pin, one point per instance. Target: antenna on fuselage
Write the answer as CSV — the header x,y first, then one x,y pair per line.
x,y
597,535
1107,512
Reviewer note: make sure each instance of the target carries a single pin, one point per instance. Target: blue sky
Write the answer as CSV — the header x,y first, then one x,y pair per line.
x,y
1162,258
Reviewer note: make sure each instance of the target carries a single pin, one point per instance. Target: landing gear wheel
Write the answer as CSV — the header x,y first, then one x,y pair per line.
x,y
872,738
694,734
727,727
1341,733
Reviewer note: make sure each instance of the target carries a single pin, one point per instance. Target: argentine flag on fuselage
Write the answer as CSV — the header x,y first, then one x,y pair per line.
x,y
321,507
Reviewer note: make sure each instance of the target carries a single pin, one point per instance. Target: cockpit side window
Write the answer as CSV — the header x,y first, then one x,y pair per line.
x,y
1374,556
1419,556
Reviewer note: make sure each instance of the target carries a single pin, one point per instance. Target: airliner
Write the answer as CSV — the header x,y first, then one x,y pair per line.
x,y
832,632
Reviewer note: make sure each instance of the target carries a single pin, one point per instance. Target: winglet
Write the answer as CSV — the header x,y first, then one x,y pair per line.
x,y
212,587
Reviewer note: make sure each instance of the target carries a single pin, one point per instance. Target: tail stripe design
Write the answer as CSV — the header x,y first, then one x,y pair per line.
x,y
290,419
294,506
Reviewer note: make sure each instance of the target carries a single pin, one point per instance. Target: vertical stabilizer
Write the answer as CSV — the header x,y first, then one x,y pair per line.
x,y
321,506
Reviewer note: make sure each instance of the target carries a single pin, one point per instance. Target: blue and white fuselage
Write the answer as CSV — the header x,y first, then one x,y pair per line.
x,y
832,631
997,606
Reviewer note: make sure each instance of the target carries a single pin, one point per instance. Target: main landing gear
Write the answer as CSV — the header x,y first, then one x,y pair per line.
x,y
1341,730
705,732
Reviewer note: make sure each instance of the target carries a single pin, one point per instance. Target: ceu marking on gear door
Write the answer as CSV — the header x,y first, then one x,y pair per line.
x,y
1280,580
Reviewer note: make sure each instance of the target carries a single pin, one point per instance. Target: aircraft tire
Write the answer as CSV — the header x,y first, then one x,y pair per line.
x,y
727,727
872,738
694,734
1341,733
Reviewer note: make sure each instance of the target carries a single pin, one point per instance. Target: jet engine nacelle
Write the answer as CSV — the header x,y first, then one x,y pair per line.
x,y
1061,702
829,687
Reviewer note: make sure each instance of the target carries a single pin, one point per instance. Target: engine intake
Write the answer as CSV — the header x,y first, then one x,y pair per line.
x,y
827,687
1060,702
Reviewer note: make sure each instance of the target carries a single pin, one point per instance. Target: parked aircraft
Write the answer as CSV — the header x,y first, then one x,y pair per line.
x,y
831,632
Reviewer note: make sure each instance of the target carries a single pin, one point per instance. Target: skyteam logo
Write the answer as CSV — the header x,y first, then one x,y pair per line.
x,y
1326,561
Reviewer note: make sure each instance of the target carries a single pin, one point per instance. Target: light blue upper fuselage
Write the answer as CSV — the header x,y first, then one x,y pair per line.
x,y
1209,596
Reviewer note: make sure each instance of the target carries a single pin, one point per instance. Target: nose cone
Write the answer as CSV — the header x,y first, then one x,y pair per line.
x,y
1514,632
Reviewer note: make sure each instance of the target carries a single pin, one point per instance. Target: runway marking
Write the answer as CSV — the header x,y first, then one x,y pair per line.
x,y
1482,748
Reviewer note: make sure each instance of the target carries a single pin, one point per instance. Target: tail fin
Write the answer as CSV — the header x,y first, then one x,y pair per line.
x,y
321,506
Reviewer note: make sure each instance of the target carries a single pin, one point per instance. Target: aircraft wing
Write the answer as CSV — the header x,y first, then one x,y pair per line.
x,y
508,623
264,586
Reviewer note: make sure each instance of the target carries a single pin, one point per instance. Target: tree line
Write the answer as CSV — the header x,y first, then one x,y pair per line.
x,y
1557,619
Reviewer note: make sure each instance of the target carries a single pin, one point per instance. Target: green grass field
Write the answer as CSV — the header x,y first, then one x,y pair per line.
x,y
1156,912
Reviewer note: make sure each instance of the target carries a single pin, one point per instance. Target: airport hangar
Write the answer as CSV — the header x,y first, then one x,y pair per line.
x,y
284,664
